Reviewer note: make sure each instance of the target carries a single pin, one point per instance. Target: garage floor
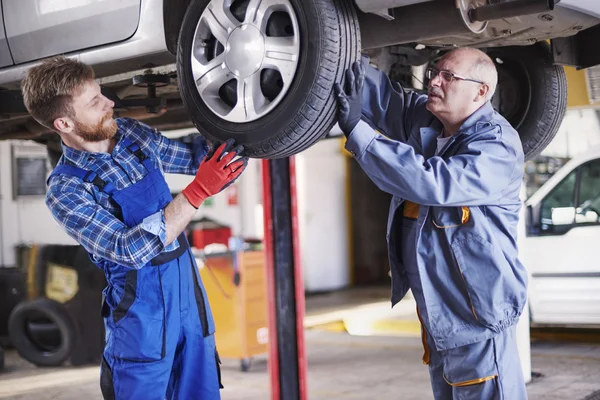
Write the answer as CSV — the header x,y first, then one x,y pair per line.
x,y
341,366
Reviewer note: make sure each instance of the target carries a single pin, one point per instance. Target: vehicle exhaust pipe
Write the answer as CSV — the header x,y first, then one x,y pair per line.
x,y
413,23
510,9
438,19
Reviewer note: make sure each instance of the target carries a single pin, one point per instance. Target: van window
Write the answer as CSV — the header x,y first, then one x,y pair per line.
x,y
563,195
588,209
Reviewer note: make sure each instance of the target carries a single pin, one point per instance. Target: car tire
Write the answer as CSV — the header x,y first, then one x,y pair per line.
x,y
1,358
53,316
531,94
329,42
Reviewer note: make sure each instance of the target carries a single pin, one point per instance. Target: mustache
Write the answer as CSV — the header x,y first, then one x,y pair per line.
x,y
435,91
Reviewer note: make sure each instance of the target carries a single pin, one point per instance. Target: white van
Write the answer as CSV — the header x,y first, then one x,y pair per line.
x,y
562,246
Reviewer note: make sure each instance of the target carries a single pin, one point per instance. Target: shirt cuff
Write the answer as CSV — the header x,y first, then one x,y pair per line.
x,y
360,138
156,225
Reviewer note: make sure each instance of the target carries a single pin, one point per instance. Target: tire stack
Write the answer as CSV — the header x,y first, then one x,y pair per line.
x,y
47,332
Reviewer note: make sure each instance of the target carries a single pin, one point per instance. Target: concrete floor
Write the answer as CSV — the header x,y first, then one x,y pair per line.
x,y
341,366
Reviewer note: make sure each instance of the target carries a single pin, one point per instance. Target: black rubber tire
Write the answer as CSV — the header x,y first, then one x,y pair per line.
x,y
537,96
329,43
1,358
53,311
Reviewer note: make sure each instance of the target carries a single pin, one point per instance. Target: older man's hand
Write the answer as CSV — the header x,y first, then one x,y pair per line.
x,y
350,98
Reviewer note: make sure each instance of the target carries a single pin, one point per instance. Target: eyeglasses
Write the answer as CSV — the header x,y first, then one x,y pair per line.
x,y
447,76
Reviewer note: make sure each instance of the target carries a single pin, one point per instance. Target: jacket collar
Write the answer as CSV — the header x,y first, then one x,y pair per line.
x,y
480,118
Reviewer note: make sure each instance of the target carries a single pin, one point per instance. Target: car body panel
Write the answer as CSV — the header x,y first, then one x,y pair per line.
x,y
40,28
5,56
591,7
376,6
146,48
565,272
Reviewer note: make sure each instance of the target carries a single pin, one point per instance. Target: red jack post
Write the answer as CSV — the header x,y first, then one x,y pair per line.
x,y
285,285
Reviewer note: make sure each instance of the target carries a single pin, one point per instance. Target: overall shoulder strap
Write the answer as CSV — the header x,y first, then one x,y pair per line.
x,y
85,175
136,150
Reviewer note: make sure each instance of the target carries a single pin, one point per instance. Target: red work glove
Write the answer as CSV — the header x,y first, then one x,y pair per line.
x,y
214,174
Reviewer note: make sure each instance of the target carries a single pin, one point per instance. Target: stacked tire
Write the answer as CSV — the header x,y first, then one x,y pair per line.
x,y
42,331
47,332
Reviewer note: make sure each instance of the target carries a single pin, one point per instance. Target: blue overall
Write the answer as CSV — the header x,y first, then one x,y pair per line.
x,y
451,234
159,327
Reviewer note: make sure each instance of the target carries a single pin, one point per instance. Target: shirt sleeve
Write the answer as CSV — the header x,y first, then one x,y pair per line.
x,y
178,156
101,233
387,107
479,175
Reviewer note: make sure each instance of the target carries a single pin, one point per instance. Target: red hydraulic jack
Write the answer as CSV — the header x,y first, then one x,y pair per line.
x,y
287,356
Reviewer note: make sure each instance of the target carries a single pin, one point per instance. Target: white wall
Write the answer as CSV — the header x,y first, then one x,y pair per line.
x,y
322,216
579,131
26,219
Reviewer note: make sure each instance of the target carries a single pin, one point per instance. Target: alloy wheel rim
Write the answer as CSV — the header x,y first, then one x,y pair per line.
x,y
244,57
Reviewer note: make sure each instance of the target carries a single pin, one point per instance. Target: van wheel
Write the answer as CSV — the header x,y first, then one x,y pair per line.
x,y
42,332
531,93
262,71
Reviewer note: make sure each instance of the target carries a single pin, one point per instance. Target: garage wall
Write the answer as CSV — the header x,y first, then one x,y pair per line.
x,y
579,131
24,219
321,177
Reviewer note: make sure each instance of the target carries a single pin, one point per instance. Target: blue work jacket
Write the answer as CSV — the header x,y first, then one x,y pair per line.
x,y
473,284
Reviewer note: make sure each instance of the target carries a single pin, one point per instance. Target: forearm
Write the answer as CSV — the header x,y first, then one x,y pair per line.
x,y
178,215
386,106
478,176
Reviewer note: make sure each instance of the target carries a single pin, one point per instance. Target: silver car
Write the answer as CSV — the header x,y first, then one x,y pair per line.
x,y
262,71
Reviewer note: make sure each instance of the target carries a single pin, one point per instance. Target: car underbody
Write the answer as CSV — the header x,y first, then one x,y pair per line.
x,y
400,40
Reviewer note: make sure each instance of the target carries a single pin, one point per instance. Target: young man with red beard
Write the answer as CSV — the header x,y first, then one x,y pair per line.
x,y
109,193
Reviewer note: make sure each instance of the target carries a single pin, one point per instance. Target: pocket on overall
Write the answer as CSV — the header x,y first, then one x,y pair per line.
x,y
471,365
488,278
138,321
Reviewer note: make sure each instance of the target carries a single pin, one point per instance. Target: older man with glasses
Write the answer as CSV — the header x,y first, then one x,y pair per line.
x,y
454,167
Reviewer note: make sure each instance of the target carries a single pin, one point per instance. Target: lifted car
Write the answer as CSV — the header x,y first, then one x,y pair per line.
x,y
262,71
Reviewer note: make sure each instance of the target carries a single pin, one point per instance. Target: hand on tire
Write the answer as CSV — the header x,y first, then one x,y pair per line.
x,y
215,173
350,99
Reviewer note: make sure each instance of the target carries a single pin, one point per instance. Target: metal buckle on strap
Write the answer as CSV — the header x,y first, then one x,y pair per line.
x,y
137,151
90,176
140,154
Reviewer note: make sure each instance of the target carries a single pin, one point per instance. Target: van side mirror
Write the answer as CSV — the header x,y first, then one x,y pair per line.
x,y
562,216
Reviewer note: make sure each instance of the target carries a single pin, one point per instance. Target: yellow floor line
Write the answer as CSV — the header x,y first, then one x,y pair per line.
x,y
374,327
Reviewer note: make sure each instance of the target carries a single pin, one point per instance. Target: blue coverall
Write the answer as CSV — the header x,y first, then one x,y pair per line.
x,y
451,234
159,327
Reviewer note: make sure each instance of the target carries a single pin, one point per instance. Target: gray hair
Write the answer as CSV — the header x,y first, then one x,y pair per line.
x,y
483,68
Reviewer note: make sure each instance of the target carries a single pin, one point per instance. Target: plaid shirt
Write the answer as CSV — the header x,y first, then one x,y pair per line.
x,y
93,218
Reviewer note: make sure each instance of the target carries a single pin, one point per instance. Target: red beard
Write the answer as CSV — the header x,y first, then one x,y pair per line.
x,y
99,132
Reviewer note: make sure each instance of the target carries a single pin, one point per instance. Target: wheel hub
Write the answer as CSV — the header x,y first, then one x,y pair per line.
x,y
245,50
